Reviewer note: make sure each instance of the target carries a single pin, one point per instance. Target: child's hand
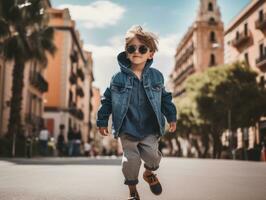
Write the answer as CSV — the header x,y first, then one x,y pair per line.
x,y
104,131
172,127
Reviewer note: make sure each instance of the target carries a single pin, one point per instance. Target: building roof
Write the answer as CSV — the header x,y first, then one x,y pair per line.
x,y
246,12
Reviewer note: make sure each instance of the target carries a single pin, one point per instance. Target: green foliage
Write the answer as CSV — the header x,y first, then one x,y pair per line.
x,y
211,95
24,36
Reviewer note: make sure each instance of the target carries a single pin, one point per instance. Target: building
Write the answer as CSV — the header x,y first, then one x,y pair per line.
x,y
95,102
35,85
88,97
245,41
69,74
200,48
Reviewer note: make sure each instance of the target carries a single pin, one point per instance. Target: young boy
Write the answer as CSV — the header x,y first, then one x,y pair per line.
x,y
137,101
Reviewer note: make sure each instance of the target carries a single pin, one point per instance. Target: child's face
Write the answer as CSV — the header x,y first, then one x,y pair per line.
x,y
139,56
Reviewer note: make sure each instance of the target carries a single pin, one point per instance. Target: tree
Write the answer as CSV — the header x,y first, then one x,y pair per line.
x,y
24,36
225,97
190,122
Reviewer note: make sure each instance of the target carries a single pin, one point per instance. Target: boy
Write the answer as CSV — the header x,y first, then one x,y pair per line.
x,y
137,101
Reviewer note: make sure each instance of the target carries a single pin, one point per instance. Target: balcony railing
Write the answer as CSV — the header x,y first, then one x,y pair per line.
x,y
189,51
80,74
33,119
242,39
73,78
38,81
78,113
261,62
74,56
261,23
182,76
79,91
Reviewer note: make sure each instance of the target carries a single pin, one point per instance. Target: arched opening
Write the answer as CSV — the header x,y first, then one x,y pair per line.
x,y
212,37
210,6
212,60
212,21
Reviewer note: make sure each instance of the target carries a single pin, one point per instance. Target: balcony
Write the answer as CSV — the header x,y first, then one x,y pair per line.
x,y
34,120
80,74
183,58
37,81
79,91
184,74
73,78
261,62
74,56
241,40
78,113
261,23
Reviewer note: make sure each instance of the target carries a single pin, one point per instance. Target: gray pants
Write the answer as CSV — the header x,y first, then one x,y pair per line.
x,y
135,150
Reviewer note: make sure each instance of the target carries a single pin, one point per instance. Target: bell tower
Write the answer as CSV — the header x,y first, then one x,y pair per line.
x,y
209,9
209,34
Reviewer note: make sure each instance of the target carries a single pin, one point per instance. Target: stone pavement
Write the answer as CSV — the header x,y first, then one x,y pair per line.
x,y
102,179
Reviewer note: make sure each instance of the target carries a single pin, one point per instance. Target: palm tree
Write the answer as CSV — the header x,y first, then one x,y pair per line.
x,y
24,36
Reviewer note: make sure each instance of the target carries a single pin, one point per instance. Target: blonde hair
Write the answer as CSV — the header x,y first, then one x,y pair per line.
x,y
147,38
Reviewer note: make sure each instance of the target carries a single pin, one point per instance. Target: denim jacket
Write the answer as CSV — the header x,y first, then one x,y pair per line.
x,y
116,98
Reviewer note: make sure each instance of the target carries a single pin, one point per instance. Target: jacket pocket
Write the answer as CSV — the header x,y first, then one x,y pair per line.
x,y
118,88
157,87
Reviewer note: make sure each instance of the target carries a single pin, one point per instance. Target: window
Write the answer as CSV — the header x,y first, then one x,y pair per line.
x,y
261,15
246,58
262,81
212,21
212,37
237,35
212,61
246,29
210,7
261,50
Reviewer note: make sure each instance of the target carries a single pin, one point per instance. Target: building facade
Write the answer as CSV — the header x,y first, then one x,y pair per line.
x,y
69,74
245,40
200,48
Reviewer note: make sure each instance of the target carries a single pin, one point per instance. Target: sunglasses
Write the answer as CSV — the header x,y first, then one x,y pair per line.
x,y
133,48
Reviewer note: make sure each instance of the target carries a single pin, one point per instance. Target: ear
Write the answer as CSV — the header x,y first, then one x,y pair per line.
x,y
151,54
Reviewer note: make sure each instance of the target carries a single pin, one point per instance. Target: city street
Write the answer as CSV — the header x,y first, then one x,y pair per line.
x,y
102,179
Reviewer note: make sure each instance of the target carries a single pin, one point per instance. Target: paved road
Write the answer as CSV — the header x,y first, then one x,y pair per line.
x,y
101,179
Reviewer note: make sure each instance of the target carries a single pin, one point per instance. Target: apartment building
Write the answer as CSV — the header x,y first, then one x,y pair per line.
x,y
69,74
200,48
245,40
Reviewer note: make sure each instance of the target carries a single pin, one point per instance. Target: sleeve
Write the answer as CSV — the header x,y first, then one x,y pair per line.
x,y
167,106
105,110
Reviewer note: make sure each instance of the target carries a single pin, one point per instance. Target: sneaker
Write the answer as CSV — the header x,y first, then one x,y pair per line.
x,y
134,196
153,182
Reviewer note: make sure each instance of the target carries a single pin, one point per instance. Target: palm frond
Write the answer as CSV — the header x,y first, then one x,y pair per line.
x,y
5,7
47,40
42,42
4,28
14,48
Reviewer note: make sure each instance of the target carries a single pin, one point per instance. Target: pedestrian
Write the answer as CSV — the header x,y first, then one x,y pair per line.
x,y
137,100
60,145
77,142
70,138
43,141
87,149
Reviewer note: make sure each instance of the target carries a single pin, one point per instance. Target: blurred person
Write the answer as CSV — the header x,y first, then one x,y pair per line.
x,y
43,141
70,138
87,149
137,101
77,142
60,145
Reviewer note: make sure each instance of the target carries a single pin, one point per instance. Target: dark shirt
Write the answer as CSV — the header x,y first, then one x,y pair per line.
x,y
140,119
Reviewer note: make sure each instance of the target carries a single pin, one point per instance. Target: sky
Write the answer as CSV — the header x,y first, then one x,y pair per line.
x,y
103,24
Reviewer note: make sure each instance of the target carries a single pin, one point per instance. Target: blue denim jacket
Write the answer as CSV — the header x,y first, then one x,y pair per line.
x,y
116,98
